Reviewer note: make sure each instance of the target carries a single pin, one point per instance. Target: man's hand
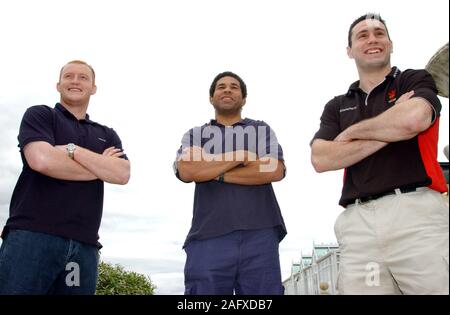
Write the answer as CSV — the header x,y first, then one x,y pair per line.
x,y
107,166
261,171
62,148
343,136
114,152
405,97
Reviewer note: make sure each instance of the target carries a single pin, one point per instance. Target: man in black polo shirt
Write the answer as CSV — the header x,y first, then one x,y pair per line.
x,y
393,235
50,241
232,246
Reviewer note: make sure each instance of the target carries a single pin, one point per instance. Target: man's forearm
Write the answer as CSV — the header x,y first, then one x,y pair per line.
x,y
195,165
46,159
401,122
335,155
254,173
110,169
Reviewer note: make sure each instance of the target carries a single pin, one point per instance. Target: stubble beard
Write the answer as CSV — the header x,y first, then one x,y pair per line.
x,y
228,111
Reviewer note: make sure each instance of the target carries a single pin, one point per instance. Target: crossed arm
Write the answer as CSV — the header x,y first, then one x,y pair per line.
x,y
259,172
403,121
86,165
239,167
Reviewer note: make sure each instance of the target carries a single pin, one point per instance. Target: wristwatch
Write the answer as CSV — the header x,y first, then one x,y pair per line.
x,y
70,149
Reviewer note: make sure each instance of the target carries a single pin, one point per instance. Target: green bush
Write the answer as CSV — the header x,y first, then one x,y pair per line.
x,y
114,280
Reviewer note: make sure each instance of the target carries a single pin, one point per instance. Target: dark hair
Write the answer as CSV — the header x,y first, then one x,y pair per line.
x,y
368,16
228,74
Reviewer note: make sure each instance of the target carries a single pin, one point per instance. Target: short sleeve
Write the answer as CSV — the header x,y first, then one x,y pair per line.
x,y
186,141
329,122
268,144
114,141
424,86
37,125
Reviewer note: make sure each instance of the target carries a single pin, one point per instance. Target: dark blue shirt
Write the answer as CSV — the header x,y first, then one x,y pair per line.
x,y
221,208
70,209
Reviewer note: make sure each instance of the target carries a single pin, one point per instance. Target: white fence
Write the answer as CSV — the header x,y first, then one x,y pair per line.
x,y
319,278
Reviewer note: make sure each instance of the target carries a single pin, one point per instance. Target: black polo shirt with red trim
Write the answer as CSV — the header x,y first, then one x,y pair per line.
x,y
70,209
408,163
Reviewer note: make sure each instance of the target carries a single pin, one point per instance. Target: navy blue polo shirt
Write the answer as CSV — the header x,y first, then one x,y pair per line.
x,y
70,209
221,208
405,164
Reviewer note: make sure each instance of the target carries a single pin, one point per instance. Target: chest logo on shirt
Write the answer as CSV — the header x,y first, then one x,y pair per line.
x,y
101,139
392,96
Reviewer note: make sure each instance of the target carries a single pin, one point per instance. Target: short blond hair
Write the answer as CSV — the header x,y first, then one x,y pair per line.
x,y
79,62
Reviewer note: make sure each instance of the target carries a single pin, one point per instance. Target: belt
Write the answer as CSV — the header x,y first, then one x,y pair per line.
x,y
386,193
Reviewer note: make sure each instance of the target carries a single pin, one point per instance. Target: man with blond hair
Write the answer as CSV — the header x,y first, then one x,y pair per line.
x,y
50,240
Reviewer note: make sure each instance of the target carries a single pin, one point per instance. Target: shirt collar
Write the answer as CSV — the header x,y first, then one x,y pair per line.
x,y
68,114
242,122
354,87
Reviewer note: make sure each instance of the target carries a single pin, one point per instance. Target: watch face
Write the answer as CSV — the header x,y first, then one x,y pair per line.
x,y
70,149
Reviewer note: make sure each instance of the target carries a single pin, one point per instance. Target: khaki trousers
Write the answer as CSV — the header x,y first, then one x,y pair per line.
x,y
397,244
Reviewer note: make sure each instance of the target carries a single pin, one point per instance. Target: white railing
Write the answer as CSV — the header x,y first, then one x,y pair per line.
x,y
319,278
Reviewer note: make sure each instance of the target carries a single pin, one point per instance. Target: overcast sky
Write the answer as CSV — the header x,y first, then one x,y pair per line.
x,y
155,61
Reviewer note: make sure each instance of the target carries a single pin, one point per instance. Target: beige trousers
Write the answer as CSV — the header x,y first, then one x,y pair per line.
x,y
397,244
